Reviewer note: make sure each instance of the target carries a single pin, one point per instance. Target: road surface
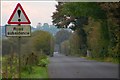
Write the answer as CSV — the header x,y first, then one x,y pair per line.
x,y
73,67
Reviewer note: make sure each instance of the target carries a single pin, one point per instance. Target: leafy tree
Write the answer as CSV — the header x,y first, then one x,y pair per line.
x,y
65,47
41,43
77,14
62,35
75,44
113,16
44,44
96,40
37,42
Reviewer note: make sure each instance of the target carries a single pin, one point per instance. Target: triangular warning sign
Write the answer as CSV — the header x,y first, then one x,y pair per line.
x,y
19,16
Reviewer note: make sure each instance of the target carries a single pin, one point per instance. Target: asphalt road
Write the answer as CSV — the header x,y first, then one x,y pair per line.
x,y
73,67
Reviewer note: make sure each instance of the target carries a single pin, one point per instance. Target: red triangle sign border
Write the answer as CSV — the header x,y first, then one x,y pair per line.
x,y
17,22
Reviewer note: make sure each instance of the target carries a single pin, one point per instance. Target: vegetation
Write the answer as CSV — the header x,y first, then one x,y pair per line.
x,y
29,66
95,28
37,43
39,72
61,36
33,56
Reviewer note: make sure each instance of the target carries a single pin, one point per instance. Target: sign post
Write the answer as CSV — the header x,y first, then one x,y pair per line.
x,y
19,52
18,17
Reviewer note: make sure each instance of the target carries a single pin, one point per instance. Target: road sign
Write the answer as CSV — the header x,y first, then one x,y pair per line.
x,y
19,16
18,30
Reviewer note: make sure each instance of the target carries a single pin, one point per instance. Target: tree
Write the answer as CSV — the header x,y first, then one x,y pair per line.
x,y
76,47
107,14
65,47
77,14
42,43
37,42
113,17
61,36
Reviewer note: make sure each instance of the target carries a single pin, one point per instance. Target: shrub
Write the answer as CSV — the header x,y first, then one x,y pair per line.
x,y
44,62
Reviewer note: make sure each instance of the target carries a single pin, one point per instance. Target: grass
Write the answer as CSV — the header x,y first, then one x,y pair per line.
x,y
38,72
107,59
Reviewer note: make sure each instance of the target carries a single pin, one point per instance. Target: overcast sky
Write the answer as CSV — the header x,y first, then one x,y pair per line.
x,y
37,11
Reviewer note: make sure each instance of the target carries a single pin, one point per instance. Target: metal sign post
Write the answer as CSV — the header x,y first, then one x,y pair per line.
x,y
19,52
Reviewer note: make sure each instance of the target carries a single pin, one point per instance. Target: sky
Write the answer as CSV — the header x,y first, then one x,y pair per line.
x,y
37,11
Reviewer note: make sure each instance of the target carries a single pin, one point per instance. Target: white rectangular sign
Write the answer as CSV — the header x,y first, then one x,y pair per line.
x,y
18,30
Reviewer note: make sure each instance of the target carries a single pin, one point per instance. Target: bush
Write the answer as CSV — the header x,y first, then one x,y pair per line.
x,y
27,68
43,62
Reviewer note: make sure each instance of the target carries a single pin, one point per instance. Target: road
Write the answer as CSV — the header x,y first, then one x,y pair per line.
x,y
73,67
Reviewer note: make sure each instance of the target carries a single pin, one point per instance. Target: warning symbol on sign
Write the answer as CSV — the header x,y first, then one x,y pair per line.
x,y
19,16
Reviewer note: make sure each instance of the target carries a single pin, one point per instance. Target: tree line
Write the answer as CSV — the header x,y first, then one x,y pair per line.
x,y
40,41
95,27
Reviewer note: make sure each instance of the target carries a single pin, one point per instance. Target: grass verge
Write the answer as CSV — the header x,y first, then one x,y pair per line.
x,y
38,72
107,59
